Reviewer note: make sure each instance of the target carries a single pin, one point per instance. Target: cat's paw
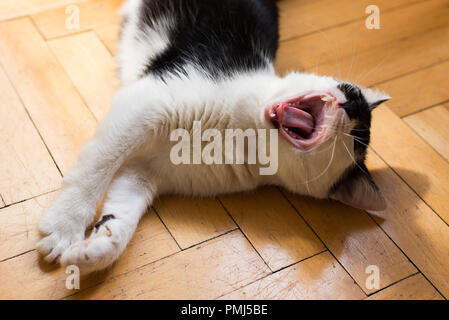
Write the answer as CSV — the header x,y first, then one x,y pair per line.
x,y
96,253
59,231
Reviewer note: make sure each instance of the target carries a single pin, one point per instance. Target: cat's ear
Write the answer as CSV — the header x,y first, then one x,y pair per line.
x,y
357,189
374,97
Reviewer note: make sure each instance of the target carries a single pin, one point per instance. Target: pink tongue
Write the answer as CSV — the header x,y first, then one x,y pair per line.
x,y
299,119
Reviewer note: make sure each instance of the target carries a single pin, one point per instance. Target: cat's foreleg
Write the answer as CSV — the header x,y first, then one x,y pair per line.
x,y
127,126
127,199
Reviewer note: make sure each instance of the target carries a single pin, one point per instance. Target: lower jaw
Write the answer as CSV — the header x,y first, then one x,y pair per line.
x,y
306,144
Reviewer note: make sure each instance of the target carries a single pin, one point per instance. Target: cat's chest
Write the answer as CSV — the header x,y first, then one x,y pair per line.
x,y
202,179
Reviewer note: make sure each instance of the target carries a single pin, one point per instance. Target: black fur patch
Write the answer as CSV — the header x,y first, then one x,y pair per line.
x,y
351,174
221,36
357,108
103,220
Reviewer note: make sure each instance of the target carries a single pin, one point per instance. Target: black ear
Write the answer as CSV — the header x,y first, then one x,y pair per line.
x,y
374,97
357,189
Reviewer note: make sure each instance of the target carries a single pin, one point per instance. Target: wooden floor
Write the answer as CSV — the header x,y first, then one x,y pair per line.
x,y
57,82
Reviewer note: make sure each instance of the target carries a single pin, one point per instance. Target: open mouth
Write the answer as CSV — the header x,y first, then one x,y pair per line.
x,y
301,120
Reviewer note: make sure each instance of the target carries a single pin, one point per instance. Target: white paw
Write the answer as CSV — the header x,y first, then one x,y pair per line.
x,y
60,230
96,253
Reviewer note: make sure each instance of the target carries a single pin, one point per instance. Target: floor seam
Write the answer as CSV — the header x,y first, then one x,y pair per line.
x,y
316,234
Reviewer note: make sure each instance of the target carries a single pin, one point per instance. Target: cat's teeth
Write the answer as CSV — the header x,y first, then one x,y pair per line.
x,y
293,104
327,98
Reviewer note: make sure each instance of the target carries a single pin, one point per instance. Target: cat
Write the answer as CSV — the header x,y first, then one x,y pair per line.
x,y
212,62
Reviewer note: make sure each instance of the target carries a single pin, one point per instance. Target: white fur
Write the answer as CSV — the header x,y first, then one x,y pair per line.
x,y
137,46
130,150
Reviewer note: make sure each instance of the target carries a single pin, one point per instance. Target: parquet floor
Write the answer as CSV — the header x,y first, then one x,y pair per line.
x,y
57,81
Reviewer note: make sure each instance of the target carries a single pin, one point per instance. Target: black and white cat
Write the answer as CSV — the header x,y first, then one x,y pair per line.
x,y
207,62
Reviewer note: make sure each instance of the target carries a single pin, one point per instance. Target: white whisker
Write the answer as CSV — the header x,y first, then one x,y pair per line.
x,y
353,158
327,167
359,141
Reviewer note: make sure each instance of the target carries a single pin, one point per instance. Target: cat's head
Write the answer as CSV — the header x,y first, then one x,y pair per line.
x,y
324,135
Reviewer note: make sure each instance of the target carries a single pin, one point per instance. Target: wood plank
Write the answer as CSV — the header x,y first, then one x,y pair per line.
x,y
18,225
93,14
207,271
273,227
355,240
91,68
27,277
374,66
416,91
300,17
398,59
56,108
408,221
192,221
432,126
414,160
27,168
109,34
320,277
17,8
413,288
349,40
